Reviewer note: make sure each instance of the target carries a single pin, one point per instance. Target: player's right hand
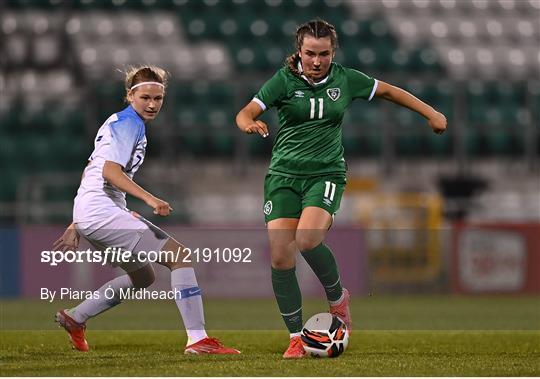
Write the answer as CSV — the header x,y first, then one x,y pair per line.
x,y
159,206
437,122
68,241
257,127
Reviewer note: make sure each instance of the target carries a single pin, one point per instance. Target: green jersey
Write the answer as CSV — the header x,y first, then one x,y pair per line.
x,y
309,140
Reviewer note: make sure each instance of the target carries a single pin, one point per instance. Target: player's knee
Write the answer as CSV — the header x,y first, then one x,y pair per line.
x,y
143,278
145,282
174,255
282,263
307,242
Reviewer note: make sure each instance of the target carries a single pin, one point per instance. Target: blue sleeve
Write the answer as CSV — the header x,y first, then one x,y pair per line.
x,y
125,135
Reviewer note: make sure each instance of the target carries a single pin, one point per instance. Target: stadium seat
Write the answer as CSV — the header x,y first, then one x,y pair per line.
x,y
409,134
193,141
440,145
250,39
10,179
425,60
223,142
363,133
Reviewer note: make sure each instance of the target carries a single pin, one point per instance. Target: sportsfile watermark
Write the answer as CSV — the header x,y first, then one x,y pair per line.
x,y
239,296
117,256
67,293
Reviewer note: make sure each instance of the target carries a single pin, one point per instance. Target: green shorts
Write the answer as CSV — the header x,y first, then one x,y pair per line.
x,y
286,197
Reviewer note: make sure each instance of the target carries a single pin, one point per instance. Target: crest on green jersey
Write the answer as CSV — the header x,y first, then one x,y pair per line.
x,y
333,93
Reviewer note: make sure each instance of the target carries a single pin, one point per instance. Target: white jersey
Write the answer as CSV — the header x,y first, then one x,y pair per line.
x,y
120,139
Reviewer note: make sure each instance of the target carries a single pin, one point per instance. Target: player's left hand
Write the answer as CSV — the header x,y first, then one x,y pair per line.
x,y
259,127
161,207
68,241
437,122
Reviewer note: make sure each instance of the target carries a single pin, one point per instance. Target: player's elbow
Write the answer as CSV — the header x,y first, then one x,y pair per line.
x,y
239,120
242,119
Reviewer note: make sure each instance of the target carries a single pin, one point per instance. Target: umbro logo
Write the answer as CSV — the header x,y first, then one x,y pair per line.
x,y
298,94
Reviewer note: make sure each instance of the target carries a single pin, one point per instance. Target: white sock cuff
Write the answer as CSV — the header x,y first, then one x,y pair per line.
x,y
338,300
183,276
123,281
292,335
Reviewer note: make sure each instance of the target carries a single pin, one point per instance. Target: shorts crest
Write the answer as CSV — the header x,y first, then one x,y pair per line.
x,y
267,207
333,93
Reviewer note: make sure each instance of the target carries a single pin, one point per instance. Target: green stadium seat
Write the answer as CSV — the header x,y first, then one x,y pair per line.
x,y
212,29
440,144
401,61
474,142
34,152
425,59
350,54
410,141
180,94
73,122
27,4
244,56
193,141
70,152
220,94
109,98
498,140
383,50
8,188
244,20
223,142
60,192
275,28
12,121
362,131
8,149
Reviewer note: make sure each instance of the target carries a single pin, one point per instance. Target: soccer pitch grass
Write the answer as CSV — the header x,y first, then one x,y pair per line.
x,y
393,336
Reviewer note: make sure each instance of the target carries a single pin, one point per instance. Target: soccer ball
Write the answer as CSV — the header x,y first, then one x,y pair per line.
x,y
325,335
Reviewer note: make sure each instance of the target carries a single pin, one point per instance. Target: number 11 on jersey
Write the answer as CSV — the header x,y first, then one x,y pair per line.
x,y
312,108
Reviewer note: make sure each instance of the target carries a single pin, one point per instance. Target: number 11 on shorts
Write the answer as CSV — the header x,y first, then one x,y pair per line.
x,y
329,190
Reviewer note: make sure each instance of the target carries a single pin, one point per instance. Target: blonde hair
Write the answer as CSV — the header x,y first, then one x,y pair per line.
x,y
314,28
144,73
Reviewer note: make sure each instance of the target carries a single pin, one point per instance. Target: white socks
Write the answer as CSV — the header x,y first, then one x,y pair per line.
x,y
189,302
95,305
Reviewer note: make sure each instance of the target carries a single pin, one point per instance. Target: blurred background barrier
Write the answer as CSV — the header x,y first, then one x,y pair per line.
x,y
477,61
211,253
496,258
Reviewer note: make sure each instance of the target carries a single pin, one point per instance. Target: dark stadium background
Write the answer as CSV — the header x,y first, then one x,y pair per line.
x,y
435,231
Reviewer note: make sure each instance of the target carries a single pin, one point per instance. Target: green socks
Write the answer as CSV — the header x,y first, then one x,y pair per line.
x,y
288,297
322,262
287,292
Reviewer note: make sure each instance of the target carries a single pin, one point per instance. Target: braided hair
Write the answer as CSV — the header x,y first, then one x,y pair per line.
x,y
314,28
